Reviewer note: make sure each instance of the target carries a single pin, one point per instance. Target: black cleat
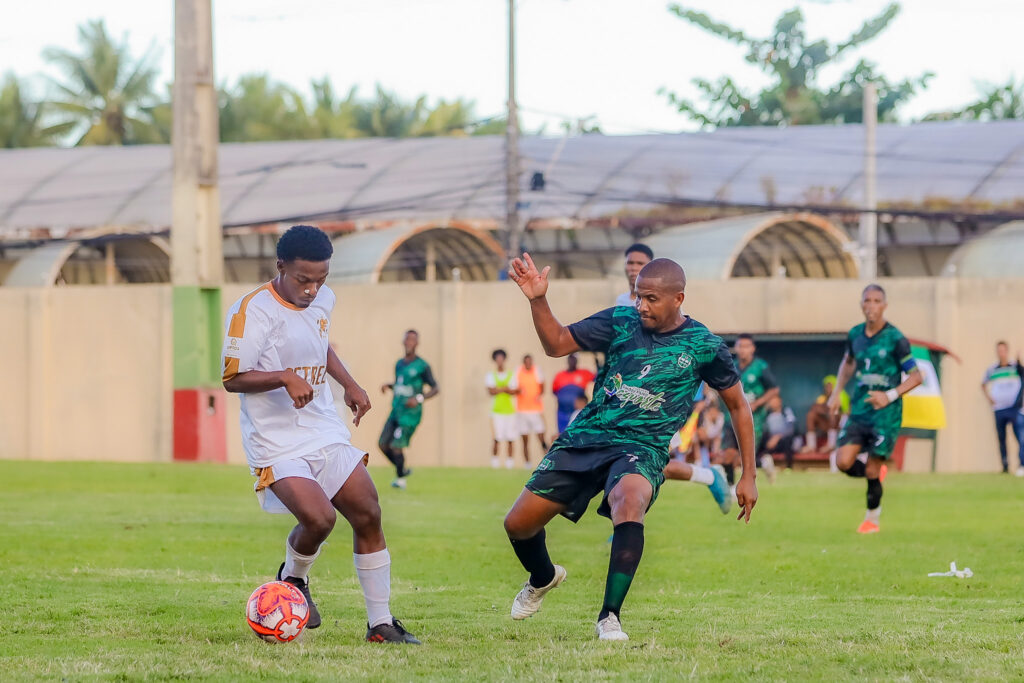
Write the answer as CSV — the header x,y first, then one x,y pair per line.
x,y
390,633
314,613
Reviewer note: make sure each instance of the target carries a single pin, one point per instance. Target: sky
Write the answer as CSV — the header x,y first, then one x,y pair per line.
x,y
576,58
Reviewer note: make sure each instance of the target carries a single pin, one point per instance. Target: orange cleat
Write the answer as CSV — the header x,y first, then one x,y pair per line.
x,y
868,527
882,474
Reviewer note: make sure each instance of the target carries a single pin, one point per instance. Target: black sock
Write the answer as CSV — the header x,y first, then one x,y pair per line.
x,y
857,469
730,474
627,549
874,494
533,555
399,461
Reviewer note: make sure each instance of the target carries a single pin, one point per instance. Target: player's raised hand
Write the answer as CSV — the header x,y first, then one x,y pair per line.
x,y
746,497
298,389
524,273
358,402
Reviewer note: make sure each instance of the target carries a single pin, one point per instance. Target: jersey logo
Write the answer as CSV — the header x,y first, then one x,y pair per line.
x,y
635,395
323,326
684,361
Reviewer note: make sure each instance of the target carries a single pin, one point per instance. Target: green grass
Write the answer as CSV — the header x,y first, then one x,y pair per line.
x,y
142,571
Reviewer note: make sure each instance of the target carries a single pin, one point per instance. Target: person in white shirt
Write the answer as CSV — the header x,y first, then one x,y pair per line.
x,y
277,356
1004,389
637,256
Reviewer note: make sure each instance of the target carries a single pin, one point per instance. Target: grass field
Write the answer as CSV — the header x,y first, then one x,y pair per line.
x,y
142,571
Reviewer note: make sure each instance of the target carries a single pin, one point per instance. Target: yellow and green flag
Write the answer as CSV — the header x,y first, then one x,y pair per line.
x,y
922,407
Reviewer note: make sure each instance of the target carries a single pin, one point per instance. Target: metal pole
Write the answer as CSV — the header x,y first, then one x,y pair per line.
x,y
512,143
868,218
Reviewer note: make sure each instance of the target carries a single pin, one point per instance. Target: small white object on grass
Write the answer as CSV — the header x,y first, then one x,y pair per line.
x,y
964,573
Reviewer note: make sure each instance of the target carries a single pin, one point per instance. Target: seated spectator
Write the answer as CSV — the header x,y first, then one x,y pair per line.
x,y
709,432
780,428
821,426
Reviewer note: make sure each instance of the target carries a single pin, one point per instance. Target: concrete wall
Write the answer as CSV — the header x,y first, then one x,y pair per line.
x,y
88,369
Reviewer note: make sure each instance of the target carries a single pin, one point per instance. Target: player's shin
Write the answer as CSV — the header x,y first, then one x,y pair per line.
x,y
296,564
874,499
533,555
374,572
627,549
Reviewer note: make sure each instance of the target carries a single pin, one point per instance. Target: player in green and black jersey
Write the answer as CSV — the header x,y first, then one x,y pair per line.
x,y
412,373
760,387
877,355
618,444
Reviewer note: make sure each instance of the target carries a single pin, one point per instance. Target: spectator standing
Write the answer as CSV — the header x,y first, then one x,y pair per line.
x,y
1003,385
567,386
502,386
530,405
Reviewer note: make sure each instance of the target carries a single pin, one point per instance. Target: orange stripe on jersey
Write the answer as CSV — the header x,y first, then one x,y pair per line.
x,y
230,368
237,326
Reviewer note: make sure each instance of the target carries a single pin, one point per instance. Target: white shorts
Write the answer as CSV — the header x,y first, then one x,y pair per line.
x,y
330,467
530,423
506,427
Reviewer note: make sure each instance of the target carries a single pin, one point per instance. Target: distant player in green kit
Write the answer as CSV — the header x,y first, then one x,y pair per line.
x,y
760,387
618,444
412,373
876,356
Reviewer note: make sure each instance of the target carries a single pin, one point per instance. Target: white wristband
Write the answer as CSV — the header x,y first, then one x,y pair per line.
x,y
892,395
419,398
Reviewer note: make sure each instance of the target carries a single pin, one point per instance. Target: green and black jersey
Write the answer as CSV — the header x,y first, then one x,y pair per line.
x,y
646,389
410,376
881,359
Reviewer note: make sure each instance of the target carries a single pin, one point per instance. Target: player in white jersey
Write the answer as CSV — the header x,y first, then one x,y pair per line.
x,y
277,356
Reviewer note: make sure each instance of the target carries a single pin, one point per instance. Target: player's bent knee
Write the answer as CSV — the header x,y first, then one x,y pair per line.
x,y
516,527
321,525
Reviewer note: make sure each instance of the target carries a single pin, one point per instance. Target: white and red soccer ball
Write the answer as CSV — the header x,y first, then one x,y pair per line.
x,y
277,612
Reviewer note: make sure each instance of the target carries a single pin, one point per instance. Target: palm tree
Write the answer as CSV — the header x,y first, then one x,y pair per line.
x,y
21,121
258,109
107,94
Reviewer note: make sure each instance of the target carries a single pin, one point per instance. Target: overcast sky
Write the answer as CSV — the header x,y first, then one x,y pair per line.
x,y
577,58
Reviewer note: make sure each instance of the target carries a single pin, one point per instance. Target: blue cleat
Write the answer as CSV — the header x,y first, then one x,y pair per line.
x,y
720,490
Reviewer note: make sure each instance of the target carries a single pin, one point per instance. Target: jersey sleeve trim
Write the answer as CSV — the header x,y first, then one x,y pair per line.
x,y
237,329
281,301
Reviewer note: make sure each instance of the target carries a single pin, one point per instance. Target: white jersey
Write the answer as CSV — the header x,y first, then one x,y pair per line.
x,y
625,299
266,333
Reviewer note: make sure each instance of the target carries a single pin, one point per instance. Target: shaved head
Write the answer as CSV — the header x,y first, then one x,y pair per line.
x,y
670,273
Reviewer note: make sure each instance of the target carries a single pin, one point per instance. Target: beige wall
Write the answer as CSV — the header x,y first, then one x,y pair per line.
x,y
87,373
89,368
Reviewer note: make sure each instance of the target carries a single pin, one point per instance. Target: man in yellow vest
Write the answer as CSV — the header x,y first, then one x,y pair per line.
x,y
502,386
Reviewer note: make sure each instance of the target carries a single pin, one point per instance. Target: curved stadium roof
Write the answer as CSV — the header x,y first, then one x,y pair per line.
x,y
940,164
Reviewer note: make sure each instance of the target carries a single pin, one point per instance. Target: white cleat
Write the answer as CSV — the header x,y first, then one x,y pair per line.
x,y
609,628
1020,471
528,600
768,465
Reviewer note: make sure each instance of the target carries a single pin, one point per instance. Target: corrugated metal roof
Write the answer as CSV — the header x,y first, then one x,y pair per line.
x,y
589,176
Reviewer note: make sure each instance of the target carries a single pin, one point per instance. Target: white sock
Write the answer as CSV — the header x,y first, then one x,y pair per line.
x,y
702,475
832,434
296,565
873,515
374,572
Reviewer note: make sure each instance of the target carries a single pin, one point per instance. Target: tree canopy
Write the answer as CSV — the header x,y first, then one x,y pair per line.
x,y
794,62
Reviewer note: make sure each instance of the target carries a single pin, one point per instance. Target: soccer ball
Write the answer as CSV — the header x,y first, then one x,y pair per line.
x,y
277,612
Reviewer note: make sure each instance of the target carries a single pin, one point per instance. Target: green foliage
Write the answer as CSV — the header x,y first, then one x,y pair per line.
x,y
793,62
21,120
107,95
996,103
126,572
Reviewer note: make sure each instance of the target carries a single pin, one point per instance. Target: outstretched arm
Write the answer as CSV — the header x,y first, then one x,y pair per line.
x,y
355,397
554,337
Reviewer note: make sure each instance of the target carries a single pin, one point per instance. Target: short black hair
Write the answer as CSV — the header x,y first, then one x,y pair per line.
x,y
640,247
874,288
745,335
408,332
304,242
1002,342
498,352
527,356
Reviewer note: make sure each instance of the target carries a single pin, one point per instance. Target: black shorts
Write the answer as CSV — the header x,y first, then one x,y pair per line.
x,y
573,476
877,441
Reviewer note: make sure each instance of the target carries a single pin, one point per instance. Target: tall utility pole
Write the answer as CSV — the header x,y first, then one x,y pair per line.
x,y
868,217
512,143
197,264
